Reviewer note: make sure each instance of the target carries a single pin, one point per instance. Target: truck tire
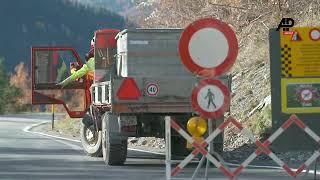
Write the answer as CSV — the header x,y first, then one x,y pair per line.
x,y
114,153
91,139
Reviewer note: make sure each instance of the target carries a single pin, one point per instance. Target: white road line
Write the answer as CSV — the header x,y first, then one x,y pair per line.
x,y
145,151
28,128
55,138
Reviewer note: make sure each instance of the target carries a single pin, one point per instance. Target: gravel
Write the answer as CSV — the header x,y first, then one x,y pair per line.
x,y
153,143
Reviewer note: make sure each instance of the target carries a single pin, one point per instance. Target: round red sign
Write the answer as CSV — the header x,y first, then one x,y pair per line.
x,y
208,47
210,98
152,89
314,34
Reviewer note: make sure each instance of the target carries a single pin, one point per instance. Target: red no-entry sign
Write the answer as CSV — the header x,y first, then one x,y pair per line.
x,y
208,47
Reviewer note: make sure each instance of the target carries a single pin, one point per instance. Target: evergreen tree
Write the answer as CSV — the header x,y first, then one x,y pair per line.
x,y
3,84
3,76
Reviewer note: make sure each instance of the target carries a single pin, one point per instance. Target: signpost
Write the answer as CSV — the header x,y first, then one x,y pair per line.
x,y
208,48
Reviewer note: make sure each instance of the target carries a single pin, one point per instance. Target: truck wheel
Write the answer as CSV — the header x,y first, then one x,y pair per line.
x,y
91,139
114,153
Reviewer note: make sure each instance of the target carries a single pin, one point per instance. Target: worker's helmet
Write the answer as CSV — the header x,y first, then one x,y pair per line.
x,y
90,54
92,42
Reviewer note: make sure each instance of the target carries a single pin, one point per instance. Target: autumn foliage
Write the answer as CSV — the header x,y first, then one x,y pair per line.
x,y
21,79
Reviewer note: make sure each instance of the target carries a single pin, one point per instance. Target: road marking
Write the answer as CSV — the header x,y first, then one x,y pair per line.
x,y
28,130
55,138
146,151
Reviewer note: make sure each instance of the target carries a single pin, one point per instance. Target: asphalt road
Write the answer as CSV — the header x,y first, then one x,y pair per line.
x,y
31,156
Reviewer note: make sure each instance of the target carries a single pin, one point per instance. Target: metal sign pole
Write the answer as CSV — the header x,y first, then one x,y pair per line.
x,y
210,147
207,167
198,167
315,169
211,150
168,146
52,121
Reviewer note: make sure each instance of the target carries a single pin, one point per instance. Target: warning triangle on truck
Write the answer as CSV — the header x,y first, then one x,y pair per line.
x,y
296,36
128,90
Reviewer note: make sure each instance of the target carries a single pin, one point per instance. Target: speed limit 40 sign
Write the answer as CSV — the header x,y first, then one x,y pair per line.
x,y
152,89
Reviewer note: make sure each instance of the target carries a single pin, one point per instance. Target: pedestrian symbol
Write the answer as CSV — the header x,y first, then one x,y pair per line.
x,y
210,97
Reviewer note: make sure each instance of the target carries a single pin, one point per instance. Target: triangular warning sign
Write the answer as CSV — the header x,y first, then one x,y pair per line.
x,y
296,36
128,90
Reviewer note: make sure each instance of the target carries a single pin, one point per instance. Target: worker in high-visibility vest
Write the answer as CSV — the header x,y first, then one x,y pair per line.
x,y
86,69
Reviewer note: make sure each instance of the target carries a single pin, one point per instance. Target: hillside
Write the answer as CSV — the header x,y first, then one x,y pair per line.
x,y
55,22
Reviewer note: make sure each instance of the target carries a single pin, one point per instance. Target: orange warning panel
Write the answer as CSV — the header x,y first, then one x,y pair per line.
x,y
300,52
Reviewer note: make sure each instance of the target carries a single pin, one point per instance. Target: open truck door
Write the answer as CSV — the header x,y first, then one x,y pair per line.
x,y
51,65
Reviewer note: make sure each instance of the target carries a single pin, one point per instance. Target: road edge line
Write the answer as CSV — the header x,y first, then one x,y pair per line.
x,y
29,128
146,151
